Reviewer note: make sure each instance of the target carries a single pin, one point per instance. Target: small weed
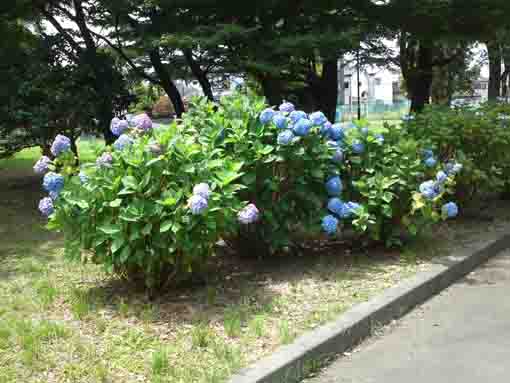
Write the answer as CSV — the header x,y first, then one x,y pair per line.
x,y
257,325
201,335
230,355
232,322
211,295
160,362
123,308
80,304
149,313
286,335
46,292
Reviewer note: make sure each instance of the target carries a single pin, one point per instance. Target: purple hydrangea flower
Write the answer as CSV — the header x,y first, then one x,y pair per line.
x,y
83,177
60,144
285,137
336,133
335,206
53,182
318,118
202,190
280,121
441,176
338,156
334,186
430,162
266,116
302,127
286,107
330,224
123,142
297,115
429,189
358,147
197,204
118,126
41,166
46,206
143,122
105,160
450,210
248,215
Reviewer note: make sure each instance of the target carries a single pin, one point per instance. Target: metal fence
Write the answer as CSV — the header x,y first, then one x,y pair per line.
x,y
373,111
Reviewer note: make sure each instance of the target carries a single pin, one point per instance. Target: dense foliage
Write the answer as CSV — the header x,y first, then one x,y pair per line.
x,y
479,138
156,202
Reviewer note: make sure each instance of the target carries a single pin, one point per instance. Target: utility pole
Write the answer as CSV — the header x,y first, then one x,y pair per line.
x,y
359,96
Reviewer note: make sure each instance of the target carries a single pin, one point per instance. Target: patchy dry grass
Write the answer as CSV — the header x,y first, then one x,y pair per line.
x,y
65,322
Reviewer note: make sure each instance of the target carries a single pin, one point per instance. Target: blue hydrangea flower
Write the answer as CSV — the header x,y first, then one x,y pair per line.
x,y
326,129
83,177
202,190
41,166
334,186
427,153
430,162
297,115
302,127
330,224
338,156
105,160
280,121
335,206
54,195
285,137
336,133
53,182
46,206
248,215
118,126
197,204
450,210
429,189
123,142
318,118
349,209
379,138
143,122
286,107
60,145
266,116
358,147
441,176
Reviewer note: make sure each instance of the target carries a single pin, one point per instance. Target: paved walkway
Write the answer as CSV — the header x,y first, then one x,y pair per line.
x,y
461,335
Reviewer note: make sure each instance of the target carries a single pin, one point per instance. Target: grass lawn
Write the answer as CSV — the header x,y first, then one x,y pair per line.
x,y
66,322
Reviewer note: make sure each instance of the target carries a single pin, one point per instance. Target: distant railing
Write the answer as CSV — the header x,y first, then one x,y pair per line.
x,y
373,111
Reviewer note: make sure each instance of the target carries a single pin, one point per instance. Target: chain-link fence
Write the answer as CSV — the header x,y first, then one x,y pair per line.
x,y
373,111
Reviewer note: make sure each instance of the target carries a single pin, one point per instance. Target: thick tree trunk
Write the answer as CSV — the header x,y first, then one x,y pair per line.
x,y
199,74
272,89
167,83
328,95
419,74
495,61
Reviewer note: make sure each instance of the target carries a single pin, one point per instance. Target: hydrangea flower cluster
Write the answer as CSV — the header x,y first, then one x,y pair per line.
x,y
60,145
46,206
286,107
358,147
429,159
433,188
266,116
143,122
248,215
450,210
53,182
199,201
285,137
118,126
105,160
302,127
330,224
334,186
42,165
123,142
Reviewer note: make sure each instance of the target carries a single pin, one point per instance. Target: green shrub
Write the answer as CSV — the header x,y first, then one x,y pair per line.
x,y
479,138
155,204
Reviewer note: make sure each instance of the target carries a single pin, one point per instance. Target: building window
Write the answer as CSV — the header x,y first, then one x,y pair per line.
x,y
346,85
378,81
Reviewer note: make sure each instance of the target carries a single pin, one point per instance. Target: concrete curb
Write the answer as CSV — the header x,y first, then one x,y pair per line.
x,y
289,363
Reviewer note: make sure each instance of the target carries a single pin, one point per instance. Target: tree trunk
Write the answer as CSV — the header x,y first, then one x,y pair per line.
x,y
167,82
329,96
199,74
272,89
494,53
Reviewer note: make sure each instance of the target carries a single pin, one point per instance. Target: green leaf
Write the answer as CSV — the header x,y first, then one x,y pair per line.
x,y
147,229
130,182
109,229
116,202
124,255
165,226
117,244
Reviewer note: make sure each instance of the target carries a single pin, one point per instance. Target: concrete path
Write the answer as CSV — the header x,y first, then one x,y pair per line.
x,y
461,335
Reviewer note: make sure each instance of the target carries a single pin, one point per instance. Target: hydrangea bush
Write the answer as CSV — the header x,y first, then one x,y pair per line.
x,y
155,203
